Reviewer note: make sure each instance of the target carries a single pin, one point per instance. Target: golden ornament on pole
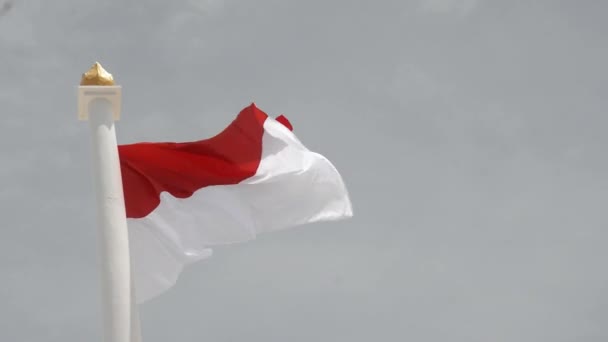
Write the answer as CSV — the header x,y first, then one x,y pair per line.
x,y
97,83
97,76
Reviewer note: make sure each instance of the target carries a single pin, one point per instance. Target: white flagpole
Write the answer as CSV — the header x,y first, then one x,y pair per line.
x,y
99,102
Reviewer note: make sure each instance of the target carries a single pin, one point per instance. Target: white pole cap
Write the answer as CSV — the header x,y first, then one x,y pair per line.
x,y
97,83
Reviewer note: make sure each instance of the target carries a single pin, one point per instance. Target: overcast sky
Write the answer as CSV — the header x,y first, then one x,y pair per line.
x,y
471,135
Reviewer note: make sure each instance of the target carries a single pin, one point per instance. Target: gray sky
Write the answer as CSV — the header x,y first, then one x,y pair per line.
x,y
470,133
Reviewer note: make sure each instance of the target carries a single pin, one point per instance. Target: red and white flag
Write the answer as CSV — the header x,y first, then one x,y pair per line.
x,y
253,177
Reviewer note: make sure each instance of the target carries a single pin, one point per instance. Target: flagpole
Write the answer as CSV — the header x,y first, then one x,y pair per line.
x,y
99,102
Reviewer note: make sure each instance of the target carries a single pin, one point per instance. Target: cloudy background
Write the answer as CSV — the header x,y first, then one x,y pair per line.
x,y
470,133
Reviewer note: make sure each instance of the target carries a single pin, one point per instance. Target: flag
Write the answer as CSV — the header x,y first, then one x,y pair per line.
x,y
182,198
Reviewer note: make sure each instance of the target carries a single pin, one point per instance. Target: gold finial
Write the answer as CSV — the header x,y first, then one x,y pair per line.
x,y
97,76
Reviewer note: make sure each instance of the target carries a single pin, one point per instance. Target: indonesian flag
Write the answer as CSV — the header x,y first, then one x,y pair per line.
x,y
253,177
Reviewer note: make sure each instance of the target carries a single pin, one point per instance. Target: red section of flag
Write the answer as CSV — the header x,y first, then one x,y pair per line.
x,y
282,119
148,169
